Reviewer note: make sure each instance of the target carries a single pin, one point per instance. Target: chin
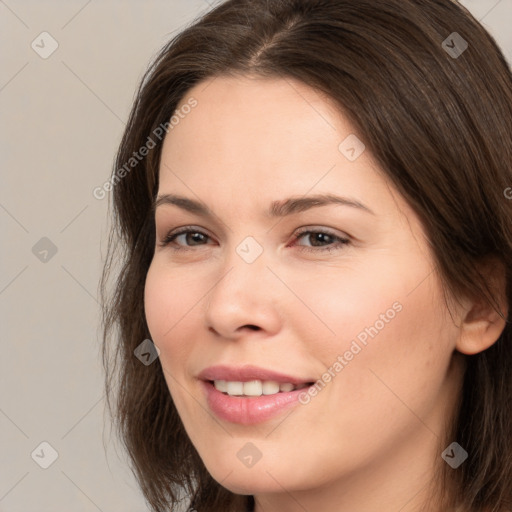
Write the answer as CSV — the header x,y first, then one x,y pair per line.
x,y
248,482
264,477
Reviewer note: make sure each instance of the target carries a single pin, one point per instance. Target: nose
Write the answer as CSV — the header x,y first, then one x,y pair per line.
x,y
245,299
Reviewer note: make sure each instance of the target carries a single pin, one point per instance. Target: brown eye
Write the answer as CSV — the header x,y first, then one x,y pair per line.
x,y
321,240
190,238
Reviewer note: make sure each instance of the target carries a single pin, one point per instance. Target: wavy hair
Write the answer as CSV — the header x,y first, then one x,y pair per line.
x,y
439,125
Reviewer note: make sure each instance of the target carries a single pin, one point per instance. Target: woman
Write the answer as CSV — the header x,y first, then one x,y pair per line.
x,y
315,237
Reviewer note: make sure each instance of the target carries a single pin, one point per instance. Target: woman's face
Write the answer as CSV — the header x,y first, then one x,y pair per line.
x,y
354,306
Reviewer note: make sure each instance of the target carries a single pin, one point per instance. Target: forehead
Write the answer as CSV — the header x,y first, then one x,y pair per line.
x,y
253,140
256,127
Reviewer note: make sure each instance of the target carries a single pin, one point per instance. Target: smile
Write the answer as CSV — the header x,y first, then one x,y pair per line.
x,y
248,410
249,395
255,387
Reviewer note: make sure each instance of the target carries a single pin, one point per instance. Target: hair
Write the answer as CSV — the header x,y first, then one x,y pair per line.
x,y
440,128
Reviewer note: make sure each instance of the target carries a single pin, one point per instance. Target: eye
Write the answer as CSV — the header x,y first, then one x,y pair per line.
x,y
321,237
195,238
321,241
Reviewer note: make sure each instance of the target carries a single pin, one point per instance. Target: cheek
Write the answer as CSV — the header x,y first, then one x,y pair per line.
x,y
349,304
168,304
169,301
391,330
400,367
154,304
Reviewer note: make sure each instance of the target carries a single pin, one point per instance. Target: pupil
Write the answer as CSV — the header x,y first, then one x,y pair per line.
x,y
196,236
318,236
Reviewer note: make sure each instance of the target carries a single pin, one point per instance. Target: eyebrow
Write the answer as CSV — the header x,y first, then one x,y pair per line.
x,y
277,208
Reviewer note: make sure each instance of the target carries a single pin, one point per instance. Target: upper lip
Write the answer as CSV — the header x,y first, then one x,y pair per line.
x,y
247,373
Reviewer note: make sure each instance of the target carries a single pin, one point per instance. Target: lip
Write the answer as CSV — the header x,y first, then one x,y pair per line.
x,y
253,409
248,373
249,410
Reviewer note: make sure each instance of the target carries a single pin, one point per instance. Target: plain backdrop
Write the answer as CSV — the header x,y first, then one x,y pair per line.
x,y
61,121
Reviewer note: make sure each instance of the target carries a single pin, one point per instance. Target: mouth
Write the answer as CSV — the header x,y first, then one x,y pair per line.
x,y
249,395
255,387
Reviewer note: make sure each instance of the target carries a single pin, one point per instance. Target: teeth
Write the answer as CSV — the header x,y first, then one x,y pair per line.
x,y
221,385
254,387
235,388
270,387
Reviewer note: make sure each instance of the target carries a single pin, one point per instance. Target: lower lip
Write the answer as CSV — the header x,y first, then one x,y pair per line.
x,y
249,410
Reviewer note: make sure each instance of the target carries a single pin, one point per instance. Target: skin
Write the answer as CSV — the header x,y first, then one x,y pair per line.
x,y
371,439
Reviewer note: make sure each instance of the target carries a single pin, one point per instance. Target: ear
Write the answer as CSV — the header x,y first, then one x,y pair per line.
x,y
482,325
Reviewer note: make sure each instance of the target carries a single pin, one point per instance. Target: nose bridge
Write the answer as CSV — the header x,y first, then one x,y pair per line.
x,y
245,271
243,294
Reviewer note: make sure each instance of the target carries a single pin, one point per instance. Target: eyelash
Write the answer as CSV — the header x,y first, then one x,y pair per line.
x,y
167,241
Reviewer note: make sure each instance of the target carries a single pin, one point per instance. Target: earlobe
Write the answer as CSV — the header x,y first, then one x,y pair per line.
x,y
482,325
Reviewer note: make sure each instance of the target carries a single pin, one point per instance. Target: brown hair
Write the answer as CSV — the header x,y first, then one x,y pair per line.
x,y
439,125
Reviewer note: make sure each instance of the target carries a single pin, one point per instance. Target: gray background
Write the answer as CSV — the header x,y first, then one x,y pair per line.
x,y
61,121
